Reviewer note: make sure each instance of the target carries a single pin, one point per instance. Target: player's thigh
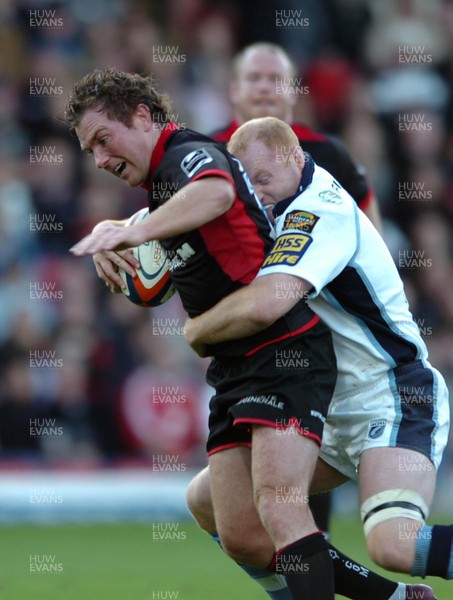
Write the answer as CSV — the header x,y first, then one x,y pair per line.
x,y
396,489
326,478
385,468
282,458
232,492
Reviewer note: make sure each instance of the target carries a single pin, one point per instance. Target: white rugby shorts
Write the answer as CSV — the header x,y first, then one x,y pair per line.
x,y
408,407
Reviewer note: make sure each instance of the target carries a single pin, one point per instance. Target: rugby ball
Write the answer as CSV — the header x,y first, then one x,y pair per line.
x,y
153,285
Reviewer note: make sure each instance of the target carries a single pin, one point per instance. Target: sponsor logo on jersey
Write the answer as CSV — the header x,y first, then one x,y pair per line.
x,y
376,428
178,258
193,161
332,197
185,251
300,219
288,249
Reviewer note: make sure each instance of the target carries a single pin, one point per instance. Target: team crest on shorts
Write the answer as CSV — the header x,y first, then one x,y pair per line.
x,y
376,428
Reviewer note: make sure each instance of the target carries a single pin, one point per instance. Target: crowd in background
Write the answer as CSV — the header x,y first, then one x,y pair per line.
x,y
87,378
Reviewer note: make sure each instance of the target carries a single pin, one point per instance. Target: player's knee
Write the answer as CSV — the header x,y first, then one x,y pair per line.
x,y
391,521
265,500
270,500
198,498
247,546
387,549
386,557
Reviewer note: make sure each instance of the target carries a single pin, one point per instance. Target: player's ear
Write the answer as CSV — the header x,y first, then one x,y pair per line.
x,y
143,117
299,157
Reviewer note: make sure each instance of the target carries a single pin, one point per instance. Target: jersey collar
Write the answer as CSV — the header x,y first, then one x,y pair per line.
x,y
159,151
232,127
305,180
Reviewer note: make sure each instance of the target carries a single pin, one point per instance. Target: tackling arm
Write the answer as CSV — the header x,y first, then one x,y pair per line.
x,y
246,311
373,213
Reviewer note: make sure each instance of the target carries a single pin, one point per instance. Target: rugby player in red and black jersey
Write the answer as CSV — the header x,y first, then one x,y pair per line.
x,y
261,87
217,235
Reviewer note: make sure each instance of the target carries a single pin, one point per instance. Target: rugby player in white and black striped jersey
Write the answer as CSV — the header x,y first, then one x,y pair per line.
x,y
389,419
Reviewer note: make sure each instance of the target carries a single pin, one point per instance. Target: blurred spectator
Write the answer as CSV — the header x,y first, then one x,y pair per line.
x,y
380,75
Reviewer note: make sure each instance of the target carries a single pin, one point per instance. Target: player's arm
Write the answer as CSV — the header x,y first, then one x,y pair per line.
x,y
247,311
197,203
373,213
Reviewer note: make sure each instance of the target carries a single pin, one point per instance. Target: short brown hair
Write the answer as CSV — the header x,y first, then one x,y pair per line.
x,y
269,130
118,94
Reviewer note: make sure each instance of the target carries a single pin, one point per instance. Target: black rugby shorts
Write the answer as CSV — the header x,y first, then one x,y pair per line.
x,y
287,383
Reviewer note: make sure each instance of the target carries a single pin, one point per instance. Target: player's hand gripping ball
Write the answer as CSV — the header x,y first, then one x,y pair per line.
x,y
153,285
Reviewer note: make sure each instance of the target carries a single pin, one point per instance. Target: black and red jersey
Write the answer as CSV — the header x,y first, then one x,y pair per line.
x,y
225,254
329,153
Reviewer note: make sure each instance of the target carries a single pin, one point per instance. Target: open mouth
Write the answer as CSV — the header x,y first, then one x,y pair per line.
x,y
118,170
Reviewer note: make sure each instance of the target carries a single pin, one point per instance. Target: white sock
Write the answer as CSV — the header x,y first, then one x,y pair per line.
x,y
399,593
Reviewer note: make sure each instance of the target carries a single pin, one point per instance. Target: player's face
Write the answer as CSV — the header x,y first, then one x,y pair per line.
x,y
260,89
123,151
275,173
